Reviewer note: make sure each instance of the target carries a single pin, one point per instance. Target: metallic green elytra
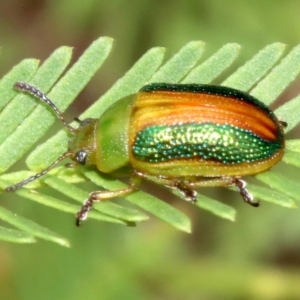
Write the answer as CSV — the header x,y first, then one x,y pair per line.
x,y
181,136
209,141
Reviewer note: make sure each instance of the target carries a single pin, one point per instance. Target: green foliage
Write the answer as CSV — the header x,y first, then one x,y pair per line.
x,y
22,127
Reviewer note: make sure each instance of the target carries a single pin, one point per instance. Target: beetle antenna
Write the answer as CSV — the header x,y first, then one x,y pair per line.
x,y
25,87
14,187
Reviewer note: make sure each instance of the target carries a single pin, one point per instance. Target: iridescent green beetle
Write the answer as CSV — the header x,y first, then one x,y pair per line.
x,y
181,136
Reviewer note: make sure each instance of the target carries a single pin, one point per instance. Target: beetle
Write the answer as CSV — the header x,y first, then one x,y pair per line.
x,y
181,136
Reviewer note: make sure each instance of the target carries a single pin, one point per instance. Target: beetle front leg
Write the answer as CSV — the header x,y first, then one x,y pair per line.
x,y
105,195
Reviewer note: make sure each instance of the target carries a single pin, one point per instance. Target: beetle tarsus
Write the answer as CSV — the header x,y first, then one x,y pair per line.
x,y
78,221
248,198
189,194
283,124
83,212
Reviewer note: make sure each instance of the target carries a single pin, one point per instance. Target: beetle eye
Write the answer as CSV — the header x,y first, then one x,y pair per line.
x,y
81,156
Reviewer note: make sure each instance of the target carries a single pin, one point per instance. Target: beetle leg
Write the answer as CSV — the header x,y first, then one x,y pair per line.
x,y
241,186
283,124
208,182
188,193
105,195
187,187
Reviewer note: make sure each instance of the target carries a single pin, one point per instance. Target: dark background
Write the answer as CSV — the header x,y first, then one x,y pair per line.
x,y
256,257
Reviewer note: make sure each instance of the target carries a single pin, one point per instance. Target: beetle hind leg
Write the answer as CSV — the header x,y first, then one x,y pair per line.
x,y
241,186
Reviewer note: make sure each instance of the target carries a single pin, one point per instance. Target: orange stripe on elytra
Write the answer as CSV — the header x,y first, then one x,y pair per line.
x,y
170,108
